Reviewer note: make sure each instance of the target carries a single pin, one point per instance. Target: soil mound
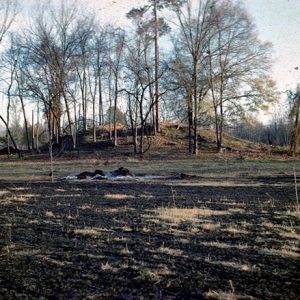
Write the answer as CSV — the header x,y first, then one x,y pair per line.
x,y
93,175
98,174
121,172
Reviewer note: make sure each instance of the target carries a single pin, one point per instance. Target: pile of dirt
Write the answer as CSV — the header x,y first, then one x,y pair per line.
x,y
124,173
85,175
98,174
121,172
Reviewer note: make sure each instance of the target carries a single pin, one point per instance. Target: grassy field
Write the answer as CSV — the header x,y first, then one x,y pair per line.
x,y
229,232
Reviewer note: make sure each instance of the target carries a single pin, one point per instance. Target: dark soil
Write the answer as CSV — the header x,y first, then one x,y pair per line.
x,y
101,239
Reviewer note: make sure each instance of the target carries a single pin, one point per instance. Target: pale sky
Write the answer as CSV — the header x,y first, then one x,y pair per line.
x,y
277,21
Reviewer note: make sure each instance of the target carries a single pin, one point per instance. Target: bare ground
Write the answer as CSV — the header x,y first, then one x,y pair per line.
x,y
221,235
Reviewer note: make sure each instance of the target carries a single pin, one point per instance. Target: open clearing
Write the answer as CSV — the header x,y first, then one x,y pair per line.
x,y
230,233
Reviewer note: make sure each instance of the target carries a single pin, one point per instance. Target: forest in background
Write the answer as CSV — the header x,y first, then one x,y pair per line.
x,y
198,63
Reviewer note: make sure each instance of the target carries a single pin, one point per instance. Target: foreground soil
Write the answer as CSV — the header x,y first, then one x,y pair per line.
x,y
210,236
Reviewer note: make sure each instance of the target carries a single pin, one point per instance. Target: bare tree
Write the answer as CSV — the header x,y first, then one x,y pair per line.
x,y
295,120
14,79
237,65
101,55
158,28
9,9
8,12
195,25
182,79
12,66
138,86
52,52
116,45
11,137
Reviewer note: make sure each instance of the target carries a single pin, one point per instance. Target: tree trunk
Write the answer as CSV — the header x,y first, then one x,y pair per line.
x,y
11,137
75,125
115,109
221,125
295,130
101,117
217,128
151,95
221,106
8,118
25,121
32,136
110,106
195,107
93,94
69,119
141,150
218,123
50,132
132,120
190,121
37,128
94,122
84,100
157,100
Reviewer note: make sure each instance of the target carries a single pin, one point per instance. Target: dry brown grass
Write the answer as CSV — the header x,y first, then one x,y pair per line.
x,y
56,262
85,206
125,251
108,267
2,193
209,226
284,251
235,230
19,188
170,251
236,265
49,214
21,197
220,295
226,245
91,231
27,252
177,215
118,196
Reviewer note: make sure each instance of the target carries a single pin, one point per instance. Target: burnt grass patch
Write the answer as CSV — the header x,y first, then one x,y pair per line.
x,y
162,239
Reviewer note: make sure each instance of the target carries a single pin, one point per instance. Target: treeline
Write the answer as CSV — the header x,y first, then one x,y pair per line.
x,y
203,65
275,133
282,130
